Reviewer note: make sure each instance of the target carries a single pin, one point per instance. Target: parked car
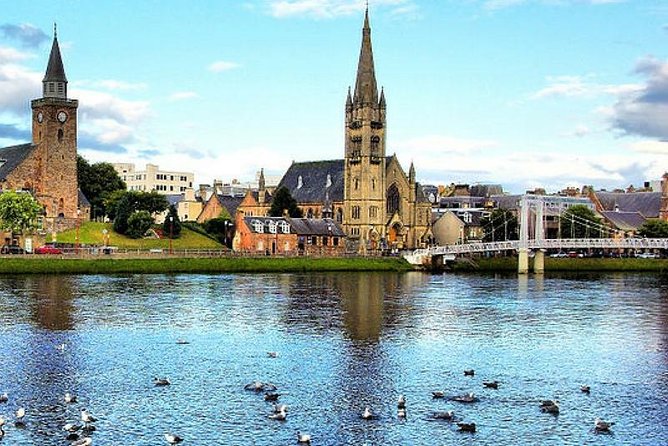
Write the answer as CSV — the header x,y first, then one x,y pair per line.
x,y
647,255
48,249
575,255
559,255
12,249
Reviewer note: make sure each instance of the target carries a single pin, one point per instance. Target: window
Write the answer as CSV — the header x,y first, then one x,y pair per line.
x,y
285,227
300,182
392,199
356,212
257,226
325,241
272,226
375,143
357,183
373,212
61,88
339,215
60,135
309,213
335,241
314,240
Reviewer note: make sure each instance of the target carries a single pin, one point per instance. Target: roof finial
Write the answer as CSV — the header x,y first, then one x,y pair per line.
x,y
55,30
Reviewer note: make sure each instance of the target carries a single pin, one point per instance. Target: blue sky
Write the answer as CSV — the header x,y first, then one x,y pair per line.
x,y
526,93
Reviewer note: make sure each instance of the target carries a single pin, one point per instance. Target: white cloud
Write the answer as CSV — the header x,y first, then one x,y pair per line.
x,y
100,105
9,55
183,95
500,4
333,8
110,84
17,84
439,145
222,65
578,86
655,147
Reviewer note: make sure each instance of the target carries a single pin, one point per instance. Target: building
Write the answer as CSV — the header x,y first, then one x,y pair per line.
x,y
459,226
378,205
154,179
188,207
288,236
47,166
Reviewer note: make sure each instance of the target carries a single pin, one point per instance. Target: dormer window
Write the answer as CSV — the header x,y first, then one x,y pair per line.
x,y
285,227
329,181
258,226
300,182
272,226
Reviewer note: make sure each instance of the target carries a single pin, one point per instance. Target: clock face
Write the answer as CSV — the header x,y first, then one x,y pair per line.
x,y
62,116
40,117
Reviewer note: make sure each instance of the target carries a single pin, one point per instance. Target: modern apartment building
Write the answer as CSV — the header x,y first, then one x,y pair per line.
x,y
152,178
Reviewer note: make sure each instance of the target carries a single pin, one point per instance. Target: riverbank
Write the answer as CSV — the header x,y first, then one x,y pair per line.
x,y
59,265
551,264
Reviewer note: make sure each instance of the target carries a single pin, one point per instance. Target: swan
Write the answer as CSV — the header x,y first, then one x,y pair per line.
x,y
86,441
173,439
280,416
272,354
69,398
86,417
468,398
2,421
367,415
4,398
20,413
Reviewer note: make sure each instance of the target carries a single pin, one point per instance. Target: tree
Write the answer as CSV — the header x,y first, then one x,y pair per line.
x,y
97,182
580,221
654,229
500,225
124,203
219,228
283,201
138,223
172,228
18,212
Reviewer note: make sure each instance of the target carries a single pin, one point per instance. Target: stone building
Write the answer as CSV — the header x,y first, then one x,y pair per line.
x,y
378,205
47,166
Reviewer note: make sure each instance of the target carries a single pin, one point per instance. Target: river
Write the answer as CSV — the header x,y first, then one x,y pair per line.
x,y
343,341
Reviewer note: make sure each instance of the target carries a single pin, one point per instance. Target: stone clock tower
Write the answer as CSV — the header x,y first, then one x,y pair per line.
x,y
54,134
364,171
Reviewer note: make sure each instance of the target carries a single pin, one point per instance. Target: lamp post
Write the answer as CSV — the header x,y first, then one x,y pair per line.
x,y
171,232
76,239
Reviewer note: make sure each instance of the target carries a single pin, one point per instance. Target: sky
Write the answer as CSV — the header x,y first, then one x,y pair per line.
x,y
523,93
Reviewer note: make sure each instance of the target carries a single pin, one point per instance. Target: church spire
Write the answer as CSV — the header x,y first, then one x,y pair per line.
x,y
54,84
366,89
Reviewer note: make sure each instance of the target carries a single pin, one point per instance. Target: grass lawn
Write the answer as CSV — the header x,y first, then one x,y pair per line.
x,y
90,233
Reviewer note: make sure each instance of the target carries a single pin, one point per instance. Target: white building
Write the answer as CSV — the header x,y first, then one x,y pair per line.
x,y
152,178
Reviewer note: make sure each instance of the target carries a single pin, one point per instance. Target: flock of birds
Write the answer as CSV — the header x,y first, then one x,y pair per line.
x,y
79,433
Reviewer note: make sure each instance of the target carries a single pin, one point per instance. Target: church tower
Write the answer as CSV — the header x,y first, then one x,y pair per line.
x,y
364,172
54,133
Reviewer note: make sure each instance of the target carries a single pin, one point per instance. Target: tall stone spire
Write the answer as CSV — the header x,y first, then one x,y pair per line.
x,y
366,89
54,84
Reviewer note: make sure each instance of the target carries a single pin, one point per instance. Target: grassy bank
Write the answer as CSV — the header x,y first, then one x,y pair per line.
x,y
588,264
44,265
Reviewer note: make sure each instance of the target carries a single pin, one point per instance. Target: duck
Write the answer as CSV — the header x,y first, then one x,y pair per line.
x,y
4,398
401,403
159,382
585,388
69,398
303,438
549,406
271,396
61,347
468,398
85,441
20,414
447,415
272,354
401,412
173,438
71,427
466,427
86,417
469,372
491,384
602,426
182,342
437,394
280,408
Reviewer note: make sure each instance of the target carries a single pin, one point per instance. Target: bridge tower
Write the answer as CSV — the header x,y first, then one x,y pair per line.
x,y
531,206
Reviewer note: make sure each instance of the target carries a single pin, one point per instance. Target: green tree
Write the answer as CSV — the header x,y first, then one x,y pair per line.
x,y
580,221
172,228
283,201
500,225
19,212
138,223
121,205
220,228
654,229
97,182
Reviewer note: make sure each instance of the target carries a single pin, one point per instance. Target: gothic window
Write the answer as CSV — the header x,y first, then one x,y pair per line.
x,y
373,184
356,212
373,212
393,199
357,183
339,215
375,143
356,145
60,135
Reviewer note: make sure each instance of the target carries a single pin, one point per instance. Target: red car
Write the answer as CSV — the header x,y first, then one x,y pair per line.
x,y
48,249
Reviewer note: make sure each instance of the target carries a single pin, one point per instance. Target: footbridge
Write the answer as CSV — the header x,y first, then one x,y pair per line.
x,y
532,212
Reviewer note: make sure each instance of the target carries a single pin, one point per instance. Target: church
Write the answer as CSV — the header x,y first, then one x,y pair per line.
x,y
47,166
367,192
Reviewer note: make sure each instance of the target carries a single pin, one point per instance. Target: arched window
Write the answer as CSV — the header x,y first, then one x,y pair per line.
x,y
60,135
339,215
375,143
309,213
392,199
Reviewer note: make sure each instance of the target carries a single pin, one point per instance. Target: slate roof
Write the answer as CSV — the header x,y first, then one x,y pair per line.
x,y
173,199
83,201
11,157
420,195
626,221
231,203
299,226
313,187
647,203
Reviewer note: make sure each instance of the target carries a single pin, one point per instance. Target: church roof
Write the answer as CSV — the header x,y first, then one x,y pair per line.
x,y
231,203
315,181
11,157
55,71
647,203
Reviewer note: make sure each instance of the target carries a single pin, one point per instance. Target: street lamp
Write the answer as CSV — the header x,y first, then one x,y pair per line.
x,y
171,232
76,240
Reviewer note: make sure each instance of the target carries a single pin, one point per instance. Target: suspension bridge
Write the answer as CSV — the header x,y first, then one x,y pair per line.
x,y
532,217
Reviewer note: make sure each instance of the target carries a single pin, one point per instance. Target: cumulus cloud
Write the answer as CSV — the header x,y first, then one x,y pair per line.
x,y
644,111
17,84
222,65
26,34
333,8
